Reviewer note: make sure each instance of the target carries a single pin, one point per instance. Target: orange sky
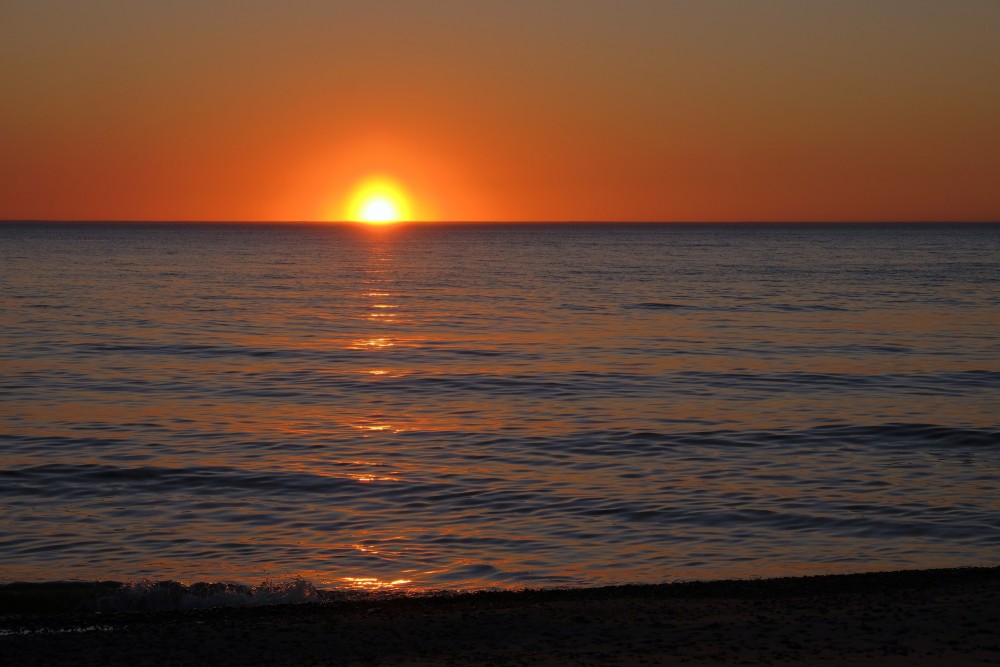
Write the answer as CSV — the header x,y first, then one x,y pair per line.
x,y
543,110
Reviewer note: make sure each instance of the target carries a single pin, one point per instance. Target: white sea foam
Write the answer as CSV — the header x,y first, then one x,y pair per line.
x,y
150,595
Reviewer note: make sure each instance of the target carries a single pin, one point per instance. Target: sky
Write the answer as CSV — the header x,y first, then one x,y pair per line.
x,y
541,110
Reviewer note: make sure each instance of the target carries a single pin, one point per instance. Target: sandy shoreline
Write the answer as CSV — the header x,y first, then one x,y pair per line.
x,y
927,617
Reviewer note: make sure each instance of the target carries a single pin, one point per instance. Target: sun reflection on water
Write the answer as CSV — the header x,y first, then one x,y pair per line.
x,y
374,583
370,343
373,478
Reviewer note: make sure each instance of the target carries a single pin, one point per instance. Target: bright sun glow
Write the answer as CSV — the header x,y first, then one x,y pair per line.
x,y
379,209
378,201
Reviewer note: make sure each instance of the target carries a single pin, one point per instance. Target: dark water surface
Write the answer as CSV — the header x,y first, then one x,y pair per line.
x,y
468,406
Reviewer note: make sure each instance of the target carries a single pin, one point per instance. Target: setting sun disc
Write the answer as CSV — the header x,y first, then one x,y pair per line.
x,y
379,201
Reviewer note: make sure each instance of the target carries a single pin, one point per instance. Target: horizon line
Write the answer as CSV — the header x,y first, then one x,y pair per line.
x,y
235,221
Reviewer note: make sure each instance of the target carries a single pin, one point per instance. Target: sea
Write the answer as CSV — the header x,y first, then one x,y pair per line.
x,y
446,407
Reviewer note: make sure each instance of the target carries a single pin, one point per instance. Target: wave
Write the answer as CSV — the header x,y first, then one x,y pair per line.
x,y
755,307
318,385
656,305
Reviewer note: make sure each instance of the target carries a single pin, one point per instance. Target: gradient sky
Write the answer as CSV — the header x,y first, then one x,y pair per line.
x,y
516,110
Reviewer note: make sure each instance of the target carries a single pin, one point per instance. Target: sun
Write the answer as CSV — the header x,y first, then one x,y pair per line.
x,y
379,209
378,200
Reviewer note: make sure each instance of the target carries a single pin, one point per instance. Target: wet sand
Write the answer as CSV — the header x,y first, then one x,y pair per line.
x,y
928,617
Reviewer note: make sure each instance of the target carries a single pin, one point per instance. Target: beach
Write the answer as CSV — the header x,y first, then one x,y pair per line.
x,y
923,617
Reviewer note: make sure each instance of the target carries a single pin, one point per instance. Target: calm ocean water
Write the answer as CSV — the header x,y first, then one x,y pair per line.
x,y
468,406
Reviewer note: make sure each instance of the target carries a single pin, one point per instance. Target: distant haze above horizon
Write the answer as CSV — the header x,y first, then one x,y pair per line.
x,y
557,110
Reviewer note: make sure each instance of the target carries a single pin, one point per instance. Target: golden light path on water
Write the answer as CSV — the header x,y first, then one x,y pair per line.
x,y
377,204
